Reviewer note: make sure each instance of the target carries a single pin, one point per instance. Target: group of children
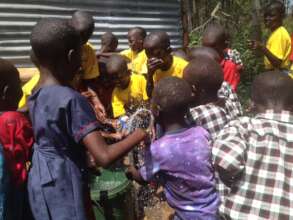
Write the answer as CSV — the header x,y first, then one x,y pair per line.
x,y
213,162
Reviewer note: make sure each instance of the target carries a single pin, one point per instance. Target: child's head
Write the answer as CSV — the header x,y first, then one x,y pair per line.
x,y
205,76
10,86
274,14
171,97
215,37
157,45
272,90
56,46
118,71
136,37
109,42
84,23
209,52
180,53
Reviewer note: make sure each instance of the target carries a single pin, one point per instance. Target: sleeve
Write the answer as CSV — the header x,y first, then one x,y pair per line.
x,y
126,53
233,104
229,149
117,105
90,63
81,119
280,44
151,167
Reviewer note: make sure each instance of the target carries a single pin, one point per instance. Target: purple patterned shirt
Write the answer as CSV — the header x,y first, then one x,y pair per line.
x,y
181,161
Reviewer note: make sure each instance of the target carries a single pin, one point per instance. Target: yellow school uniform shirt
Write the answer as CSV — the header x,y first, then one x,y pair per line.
x,y
279,44
28,88
136,90
138,61
89,62
176,69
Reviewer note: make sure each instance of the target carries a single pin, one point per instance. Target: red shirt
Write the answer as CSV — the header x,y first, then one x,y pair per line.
x,y
231,73
16,136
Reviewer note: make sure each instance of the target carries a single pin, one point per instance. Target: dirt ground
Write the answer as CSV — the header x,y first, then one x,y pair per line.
x,y
161,211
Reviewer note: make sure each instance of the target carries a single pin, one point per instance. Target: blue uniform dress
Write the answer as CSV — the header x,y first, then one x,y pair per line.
x,y
3,184
61,118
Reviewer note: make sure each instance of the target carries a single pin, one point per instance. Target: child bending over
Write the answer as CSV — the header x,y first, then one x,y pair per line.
x,y
129,89
254,155
65,128
180,159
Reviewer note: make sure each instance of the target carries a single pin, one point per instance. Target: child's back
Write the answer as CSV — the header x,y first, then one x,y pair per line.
x,y
183,161
218,104
254,155
180,160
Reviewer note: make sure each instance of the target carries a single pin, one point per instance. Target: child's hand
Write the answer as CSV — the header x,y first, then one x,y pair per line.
x,y
153,64
255,45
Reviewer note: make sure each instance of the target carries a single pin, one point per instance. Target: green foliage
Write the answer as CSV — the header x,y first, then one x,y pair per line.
x,y
237,19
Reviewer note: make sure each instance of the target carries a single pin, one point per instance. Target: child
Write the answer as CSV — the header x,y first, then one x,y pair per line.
x,y
129,89
65,127
215,37
84,24
278,47
109,43
212,109
16,137
180,159
196,52
136,54
254,155
160,62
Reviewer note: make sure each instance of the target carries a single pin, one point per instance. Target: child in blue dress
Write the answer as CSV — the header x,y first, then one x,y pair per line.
x,y
65,127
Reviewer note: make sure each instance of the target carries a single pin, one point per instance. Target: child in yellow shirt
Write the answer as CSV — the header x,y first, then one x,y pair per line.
x,y
161,63
129,88
278,47
136,54
84,24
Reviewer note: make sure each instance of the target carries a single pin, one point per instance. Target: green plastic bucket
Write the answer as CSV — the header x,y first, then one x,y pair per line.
x,y
111,196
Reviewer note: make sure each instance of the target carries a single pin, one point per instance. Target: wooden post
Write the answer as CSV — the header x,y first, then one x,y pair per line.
x,y
184,18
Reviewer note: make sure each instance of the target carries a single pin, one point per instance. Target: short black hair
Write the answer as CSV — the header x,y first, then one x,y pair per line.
x,y
115,63
140,30
84,23
108,38
52,39
276,5
205,74
273,90
215,33
196,52
172,94
160,37
9,77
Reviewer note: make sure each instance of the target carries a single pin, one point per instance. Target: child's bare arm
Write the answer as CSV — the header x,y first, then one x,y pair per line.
x,y
133,174
256,45
105,154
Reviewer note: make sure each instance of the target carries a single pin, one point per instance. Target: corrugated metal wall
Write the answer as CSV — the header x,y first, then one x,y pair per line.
x,y
18,17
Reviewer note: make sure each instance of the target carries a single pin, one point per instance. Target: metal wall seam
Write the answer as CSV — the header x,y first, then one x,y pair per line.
x,y
17,19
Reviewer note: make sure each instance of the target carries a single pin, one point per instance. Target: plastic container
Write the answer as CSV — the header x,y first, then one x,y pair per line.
x,y
111,196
